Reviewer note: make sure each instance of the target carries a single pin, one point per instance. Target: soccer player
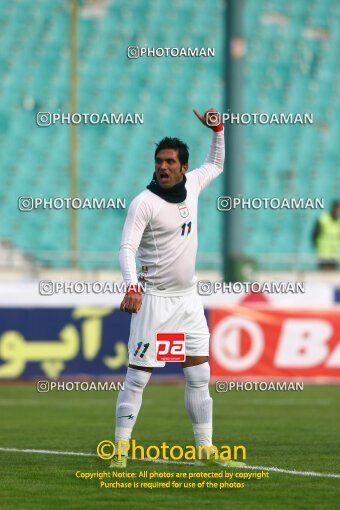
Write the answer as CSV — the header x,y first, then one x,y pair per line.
x,y
161,225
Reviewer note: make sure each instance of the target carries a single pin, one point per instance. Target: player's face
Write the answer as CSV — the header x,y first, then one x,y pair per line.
x,y
168,168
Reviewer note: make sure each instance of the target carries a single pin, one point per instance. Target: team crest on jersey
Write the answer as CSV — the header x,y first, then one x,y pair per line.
x,y
183,210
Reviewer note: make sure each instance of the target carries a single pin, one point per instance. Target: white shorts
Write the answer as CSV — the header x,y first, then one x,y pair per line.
x,y
170,314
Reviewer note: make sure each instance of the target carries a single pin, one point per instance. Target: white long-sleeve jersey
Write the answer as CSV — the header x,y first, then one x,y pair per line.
x,y
163,235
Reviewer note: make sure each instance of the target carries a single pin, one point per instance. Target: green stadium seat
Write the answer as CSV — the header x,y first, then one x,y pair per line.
x,y
285,71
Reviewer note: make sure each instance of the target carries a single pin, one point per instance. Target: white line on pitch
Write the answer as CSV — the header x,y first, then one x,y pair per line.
x,y
161,461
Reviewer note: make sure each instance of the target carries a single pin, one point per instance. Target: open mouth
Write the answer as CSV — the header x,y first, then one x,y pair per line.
x,y
164,177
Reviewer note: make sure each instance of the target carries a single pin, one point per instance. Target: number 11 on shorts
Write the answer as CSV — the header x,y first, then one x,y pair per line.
x,y
170,347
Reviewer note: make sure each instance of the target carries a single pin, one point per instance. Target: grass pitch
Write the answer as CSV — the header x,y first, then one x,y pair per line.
x,y
288,430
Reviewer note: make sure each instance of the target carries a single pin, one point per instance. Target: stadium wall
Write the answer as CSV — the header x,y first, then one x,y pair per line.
x,y
253,336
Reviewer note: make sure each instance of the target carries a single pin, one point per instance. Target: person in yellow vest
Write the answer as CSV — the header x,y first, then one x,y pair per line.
x,y
326,238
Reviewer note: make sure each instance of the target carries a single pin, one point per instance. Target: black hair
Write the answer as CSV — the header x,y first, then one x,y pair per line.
x,y
176,144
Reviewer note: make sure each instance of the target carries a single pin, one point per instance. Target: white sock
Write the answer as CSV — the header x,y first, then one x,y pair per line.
x,y
129,402
198,402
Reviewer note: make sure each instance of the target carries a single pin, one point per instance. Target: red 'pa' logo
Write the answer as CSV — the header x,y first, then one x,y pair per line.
x,y
170,346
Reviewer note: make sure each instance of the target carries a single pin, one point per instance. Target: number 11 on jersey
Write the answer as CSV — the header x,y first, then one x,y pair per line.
x,y
186,228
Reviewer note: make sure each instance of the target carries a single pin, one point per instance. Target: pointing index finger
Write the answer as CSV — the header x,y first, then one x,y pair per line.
x,y
198,115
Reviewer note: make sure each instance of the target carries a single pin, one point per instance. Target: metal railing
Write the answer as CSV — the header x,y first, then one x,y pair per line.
x,y
13,258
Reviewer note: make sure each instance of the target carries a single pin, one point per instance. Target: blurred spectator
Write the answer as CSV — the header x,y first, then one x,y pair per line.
x,y
94,9
326,238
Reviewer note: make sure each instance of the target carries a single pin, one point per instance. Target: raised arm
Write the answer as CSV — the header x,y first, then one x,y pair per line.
x,y
137,218
213,164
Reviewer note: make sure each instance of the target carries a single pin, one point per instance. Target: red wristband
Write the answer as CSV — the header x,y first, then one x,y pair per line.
x,y
218,128
133,288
